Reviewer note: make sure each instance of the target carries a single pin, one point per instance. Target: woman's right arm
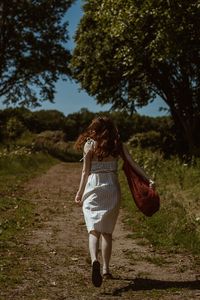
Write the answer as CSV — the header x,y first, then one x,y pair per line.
x,y
85,173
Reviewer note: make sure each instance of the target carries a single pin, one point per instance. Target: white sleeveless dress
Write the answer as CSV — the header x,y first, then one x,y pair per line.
x,y
101,198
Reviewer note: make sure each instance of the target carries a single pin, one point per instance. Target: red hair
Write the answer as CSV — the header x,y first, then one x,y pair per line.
x,y
104,132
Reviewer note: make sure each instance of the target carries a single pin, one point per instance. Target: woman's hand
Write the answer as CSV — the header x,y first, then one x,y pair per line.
x,y
78,199
151,184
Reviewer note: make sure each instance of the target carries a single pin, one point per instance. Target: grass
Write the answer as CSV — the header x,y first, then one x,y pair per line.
x,y
156,260
17,213
153,259
15,216
176,226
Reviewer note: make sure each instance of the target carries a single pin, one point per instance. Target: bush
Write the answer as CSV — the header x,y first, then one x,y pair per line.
x,y
54,142
156,140
150,139
13,129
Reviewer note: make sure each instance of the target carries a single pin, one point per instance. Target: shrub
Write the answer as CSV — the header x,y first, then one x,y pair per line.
x,y
13,128
54,142
150,139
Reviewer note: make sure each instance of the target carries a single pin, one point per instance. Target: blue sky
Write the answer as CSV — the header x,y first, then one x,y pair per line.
x,y
68,97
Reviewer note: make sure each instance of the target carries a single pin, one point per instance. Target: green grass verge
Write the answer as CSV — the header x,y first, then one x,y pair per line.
x,y
17,213
176,226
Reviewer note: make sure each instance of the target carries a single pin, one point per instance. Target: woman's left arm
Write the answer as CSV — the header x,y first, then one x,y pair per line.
x,y
84,176
137,168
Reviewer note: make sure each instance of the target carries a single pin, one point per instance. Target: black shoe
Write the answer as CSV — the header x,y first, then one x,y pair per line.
x,y
96,274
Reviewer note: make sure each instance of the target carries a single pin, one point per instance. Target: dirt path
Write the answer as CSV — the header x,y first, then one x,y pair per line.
x,y
57,267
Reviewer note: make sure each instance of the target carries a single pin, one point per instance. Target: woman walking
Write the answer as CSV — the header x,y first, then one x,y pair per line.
x,y
99,190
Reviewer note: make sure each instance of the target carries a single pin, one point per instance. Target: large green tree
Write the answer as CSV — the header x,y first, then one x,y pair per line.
x,y
129,52
33,52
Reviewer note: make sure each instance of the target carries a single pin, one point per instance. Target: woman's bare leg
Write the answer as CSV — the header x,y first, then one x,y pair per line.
x,y
106,251
94,245
94,248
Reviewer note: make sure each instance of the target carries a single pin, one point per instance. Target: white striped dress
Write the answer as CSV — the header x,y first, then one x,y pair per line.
x,y
101,198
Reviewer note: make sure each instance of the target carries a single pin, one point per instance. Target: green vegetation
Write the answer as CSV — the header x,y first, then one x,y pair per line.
x,y
54,142
14,170
142,50
17,213
177,225
27,150
36,55
141,130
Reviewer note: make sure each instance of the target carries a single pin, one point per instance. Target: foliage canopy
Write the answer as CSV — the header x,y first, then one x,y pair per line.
x,y
32,49
128,52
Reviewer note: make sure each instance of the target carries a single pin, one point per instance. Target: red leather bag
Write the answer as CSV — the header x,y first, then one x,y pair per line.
x,y
145,197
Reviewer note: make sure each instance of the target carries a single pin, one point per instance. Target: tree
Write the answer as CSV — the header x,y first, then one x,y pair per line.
x,y
43,120
129,52
76,123
32,49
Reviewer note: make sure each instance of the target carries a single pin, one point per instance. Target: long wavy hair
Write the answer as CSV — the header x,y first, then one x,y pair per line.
x,y
105,133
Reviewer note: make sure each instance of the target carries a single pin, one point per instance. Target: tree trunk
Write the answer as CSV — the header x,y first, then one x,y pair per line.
x,y
189,128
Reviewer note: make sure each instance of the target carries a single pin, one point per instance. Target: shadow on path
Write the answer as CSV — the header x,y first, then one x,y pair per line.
x,y
138,284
